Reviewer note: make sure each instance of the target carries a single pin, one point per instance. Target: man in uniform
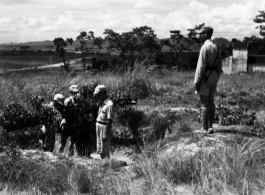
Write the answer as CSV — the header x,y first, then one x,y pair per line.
x,y
49,128
74,95
208,71
104,121
71,119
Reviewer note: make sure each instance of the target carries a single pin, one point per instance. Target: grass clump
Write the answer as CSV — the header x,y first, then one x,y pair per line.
x,y
20,174
228,167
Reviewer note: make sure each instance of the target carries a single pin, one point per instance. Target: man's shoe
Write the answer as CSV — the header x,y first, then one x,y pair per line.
x,y
102,156
201,131
210,131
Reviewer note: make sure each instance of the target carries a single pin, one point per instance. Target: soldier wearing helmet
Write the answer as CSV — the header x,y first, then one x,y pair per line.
x,y
104,121
74,96
58,101
48,129
71,119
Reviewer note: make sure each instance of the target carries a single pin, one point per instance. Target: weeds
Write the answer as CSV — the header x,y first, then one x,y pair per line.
x,y
232,164
61,177
236,167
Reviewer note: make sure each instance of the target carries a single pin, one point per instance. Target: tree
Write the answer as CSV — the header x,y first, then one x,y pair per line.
x,y
60,44
138,43
84,38
192,35
260,19
255,45
146,40
182,43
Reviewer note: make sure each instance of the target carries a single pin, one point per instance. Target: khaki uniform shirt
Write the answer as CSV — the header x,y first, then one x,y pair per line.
x,y
207,55
106,111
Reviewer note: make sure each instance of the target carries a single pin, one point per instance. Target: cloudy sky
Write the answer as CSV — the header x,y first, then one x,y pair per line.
x,y
38,20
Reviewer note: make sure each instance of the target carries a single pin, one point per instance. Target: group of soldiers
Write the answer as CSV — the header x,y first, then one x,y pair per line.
x,y
73,129
208,71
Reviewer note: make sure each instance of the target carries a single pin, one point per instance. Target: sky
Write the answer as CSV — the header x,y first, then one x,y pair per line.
x,y
38,20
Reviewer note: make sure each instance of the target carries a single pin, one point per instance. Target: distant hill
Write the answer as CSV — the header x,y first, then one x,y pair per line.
x,y
31,44
44,45
38,45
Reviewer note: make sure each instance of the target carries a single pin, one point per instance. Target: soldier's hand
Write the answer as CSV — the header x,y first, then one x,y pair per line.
x,y
63,127
196,87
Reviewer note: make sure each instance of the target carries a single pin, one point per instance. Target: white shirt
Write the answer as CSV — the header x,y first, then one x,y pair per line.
x,y
106,111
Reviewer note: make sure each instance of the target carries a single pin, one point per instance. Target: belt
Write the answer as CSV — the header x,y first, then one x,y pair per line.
x,y
102,123
211,68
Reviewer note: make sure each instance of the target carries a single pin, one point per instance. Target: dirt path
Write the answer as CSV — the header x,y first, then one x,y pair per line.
x,y
56,65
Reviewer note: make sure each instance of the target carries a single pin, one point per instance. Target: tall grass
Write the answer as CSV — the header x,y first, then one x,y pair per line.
x,y
19,87
139,81
236,168
230,165
40,176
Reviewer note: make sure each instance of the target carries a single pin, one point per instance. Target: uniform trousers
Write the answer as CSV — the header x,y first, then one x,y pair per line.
x,y
103,145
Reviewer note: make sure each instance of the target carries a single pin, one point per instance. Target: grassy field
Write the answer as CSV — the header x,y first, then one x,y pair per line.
x,y
217,165
31,59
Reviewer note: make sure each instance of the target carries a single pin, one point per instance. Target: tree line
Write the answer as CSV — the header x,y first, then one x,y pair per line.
x,y
141,43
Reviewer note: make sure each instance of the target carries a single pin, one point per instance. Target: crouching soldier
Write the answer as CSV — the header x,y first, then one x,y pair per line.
x,y
49,127
104,121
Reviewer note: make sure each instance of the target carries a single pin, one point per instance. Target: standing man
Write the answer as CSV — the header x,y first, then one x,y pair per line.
x,y
104,121
71,120
208,71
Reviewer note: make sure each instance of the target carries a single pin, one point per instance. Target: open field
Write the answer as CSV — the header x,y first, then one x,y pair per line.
x,y
180,163
30,59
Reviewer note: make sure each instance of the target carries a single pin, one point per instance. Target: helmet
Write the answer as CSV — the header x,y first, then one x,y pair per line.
x,y
68,102
74,88
59,98
99,88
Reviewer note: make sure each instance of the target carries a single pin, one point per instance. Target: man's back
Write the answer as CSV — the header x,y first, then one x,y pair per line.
x,y
210,56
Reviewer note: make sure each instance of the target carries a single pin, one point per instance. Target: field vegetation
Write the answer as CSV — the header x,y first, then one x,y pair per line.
x,y
168,159
18,59
154,148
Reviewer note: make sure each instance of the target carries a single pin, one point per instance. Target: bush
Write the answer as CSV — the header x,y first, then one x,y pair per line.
x,y
132,119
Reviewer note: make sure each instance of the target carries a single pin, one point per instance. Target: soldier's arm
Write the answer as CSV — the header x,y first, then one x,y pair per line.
x,y
201,64
219,64
110,116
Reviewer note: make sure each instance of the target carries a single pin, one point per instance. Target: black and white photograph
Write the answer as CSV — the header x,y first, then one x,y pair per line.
x,y
132,97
